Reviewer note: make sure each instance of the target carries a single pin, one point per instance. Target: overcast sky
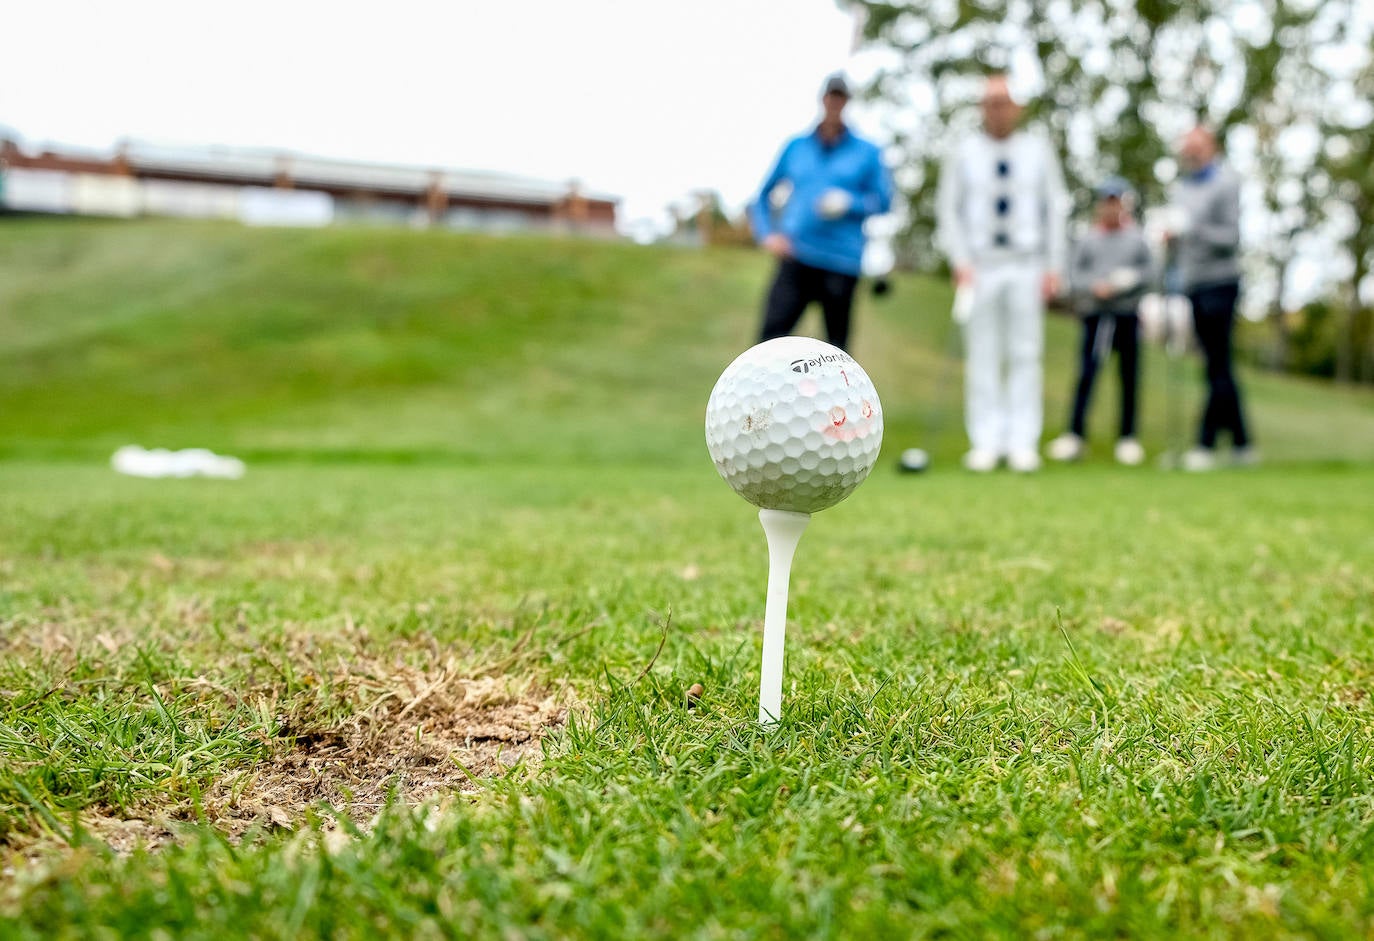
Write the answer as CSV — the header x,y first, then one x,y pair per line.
x,y
642,99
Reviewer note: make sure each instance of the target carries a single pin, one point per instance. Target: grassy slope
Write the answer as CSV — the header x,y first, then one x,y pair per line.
x,y
418,346
1089,702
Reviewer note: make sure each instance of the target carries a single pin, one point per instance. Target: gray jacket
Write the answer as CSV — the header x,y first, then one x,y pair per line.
x,y
1118,256
1208,248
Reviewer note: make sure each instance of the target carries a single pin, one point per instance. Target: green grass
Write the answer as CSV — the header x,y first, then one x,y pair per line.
x,y
410,347
1089,703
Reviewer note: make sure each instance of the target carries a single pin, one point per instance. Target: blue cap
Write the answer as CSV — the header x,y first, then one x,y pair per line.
x,y
1113,187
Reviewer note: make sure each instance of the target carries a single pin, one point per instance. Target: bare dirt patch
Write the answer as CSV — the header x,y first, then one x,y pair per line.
x,y
421,735
406,735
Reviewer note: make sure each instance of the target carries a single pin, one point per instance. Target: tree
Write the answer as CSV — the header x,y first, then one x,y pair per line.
x,y
1349,160
1282,96
1120,80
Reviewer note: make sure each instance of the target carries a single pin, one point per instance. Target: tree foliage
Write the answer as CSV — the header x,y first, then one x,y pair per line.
x,y
1113,82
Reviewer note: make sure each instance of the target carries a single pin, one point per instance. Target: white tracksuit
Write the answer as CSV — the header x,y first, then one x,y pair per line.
x,y
1003,212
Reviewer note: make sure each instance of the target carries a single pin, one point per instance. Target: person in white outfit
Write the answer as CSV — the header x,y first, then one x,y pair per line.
x,y
1003,214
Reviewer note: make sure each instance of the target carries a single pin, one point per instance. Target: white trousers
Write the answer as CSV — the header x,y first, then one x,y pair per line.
x,y
1004,340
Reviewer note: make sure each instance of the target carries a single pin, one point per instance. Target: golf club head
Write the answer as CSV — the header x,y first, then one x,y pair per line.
x,y
914,461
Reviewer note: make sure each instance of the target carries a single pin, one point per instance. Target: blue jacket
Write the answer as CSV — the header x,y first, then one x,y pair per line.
x,y
811,167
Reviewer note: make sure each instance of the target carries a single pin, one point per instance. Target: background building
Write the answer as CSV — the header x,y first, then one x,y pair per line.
x,y
268,187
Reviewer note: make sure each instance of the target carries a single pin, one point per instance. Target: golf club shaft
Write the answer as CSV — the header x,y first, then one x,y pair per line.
x,y
1102,342
933,414
1172,352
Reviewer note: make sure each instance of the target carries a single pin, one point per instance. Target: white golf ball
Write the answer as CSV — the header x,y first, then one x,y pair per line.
x,y
794,424
915,460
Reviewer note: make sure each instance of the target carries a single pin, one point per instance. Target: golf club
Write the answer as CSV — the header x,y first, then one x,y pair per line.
x,y
1174,345
1173,335
917,460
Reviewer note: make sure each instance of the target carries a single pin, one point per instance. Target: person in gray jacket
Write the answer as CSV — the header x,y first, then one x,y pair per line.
x,y
1108,273
1206,245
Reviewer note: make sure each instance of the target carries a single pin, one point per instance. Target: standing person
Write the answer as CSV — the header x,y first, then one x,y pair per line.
x,y
1002,217
1206,245
831,180
1107,277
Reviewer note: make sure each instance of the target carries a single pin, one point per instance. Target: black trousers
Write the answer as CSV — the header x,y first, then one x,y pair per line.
x,y
795,286
1214,316
1125,339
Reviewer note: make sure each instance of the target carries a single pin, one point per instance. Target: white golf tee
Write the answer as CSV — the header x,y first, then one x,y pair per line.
x,y
783,529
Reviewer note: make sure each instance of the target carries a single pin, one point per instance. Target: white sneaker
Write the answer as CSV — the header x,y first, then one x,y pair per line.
x,y
980,461
1129,452
1067,447
1199,459
1245,457
1024,462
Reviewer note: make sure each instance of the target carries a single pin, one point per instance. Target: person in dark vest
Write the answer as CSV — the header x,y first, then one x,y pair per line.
x,y
1002,218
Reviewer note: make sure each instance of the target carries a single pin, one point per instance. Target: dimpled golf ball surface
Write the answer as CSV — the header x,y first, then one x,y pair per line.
x,y
794,424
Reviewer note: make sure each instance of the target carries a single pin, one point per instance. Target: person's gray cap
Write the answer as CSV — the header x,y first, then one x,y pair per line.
x,y
836,84
1113,187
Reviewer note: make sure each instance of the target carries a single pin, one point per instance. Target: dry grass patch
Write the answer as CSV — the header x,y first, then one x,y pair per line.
x,y
370,732
422,735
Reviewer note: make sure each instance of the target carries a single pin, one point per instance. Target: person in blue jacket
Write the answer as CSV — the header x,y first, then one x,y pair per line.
x,y
810,216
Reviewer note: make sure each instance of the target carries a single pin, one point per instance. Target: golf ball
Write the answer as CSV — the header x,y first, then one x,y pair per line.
x,y
915,460
794,424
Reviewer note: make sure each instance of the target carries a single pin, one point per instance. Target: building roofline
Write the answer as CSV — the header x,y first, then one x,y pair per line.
x,y
254,166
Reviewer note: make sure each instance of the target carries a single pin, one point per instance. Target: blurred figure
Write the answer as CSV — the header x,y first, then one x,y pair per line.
x,y
1108,274
810,216
1206,245
1002,217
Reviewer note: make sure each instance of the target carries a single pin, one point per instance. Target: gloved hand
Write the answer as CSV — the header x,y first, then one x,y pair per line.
x,y
963,303
834,203
1177,222
1122,280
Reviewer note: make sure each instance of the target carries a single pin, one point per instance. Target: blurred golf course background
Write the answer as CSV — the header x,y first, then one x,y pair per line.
x,y
376,344
1094,701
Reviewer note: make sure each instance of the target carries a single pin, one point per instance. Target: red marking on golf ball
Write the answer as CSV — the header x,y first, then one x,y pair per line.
x,y
837,416
867,409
